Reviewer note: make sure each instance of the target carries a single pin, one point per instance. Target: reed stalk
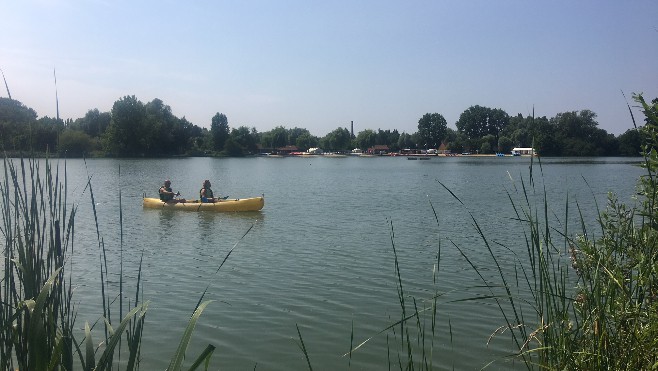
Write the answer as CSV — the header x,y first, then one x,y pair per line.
x,y
37,315
593,301
568,301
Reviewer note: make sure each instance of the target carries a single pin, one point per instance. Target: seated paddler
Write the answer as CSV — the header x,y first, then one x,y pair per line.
x,y
167,194
205,193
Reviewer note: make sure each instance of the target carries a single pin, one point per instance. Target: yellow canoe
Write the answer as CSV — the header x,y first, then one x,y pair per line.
x,y
240,204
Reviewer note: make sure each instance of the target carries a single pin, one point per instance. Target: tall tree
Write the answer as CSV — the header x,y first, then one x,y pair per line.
x,y
578,134
94,123
279,137
242,141
305,141
16,122
630,143
365,139
477,121
295,133
432,128
338,140
406,141
123,136
219,130
160,129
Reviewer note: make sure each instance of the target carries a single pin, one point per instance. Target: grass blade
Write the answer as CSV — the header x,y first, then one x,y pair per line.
x,y
177,361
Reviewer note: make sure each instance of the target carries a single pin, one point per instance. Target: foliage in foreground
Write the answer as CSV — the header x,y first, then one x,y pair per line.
x,y
594,300
37,315
616,304
570,303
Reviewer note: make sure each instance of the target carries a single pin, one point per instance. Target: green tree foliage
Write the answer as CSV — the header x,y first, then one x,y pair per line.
x,y
220,130
93,124
488,144
75,143
630,143
536,132
505,144
389,138
138,129
279,137
16,122
295,133
305,141
477,121
133,128
616,306
579,135
406,141
124,135
241,141
44,134
432,129
338,140
365,139
13,111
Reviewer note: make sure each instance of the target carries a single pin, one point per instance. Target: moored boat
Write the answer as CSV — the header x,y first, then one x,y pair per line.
x,y
239,204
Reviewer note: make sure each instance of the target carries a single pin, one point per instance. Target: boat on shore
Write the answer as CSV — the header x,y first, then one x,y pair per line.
x,y
238,204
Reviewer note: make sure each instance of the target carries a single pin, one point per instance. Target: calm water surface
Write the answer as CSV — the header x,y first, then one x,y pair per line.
x,y
320,253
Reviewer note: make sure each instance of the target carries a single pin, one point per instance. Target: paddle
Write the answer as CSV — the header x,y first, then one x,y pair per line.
x,y
217,199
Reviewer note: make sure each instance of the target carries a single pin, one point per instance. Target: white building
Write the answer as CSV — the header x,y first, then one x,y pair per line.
x,y
315,151
521,151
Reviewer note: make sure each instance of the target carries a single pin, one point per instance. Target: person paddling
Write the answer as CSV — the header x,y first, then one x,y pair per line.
x,y
167,195
205,193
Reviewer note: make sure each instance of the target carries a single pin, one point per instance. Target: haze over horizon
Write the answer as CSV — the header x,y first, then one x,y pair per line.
x,y
321,65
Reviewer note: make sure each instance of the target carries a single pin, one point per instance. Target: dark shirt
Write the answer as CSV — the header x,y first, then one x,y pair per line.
x,y
166,196
208,195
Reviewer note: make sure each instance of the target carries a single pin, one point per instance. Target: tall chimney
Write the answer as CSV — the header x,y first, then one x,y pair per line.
x,y
352,132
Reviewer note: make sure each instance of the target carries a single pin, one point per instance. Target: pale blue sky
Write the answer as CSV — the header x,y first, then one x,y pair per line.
x,y
321,64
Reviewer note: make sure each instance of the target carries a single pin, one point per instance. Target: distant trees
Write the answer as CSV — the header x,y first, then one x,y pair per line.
x,y
365,139
406,141
579,135
241,141
432,129
505,144
16,123
133,128
94,123
219,130
138,129
124,135
338,140
477,121
630,143
75,143
279,137
306,140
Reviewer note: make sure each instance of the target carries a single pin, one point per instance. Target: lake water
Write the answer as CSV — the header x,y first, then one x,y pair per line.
x,y
320,253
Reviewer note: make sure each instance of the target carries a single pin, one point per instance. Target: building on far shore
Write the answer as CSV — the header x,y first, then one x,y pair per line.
x,y
522,151
378,149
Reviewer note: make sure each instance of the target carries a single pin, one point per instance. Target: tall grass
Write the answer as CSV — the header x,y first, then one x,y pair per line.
x,y
593,300
567,300
37,315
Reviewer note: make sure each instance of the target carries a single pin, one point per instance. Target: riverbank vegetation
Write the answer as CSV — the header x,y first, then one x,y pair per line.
x,y
584,299
38,329
136,129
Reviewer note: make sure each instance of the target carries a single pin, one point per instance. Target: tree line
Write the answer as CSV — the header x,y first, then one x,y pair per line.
x,y
136,129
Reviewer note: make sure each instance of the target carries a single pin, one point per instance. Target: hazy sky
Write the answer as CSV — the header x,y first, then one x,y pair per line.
x,y
321,64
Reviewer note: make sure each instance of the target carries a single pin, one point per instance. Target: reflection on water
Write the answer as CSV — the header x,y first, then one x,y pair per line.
x,y
319,254
590,160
